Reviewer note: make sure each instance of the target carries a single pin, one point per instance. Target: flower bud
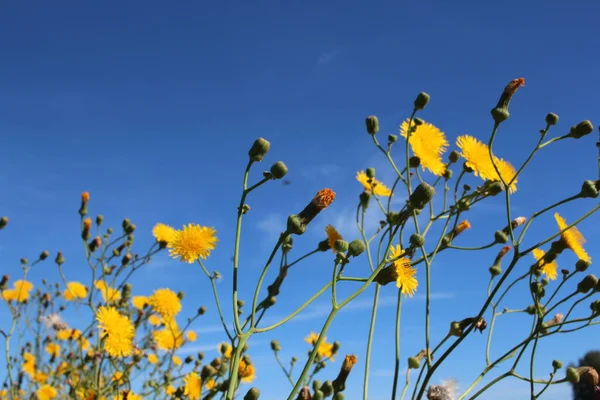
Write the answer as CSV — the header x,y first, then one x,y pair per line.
x,y
316,385
538,289
253,394
279,170
370,173
588,283
500,237
500,112
126,259
339,396
551,119
413,363
295,225
3,222
421,101
414,162
327,388
416,240
259,148
454,156
421,196
356,248
241,303
365,197
455,329
372,124
392,138
275,346
60,259
318,395
495,270
572,375
323,245
581,129
582,265
341,246
588,189
447,175
557,364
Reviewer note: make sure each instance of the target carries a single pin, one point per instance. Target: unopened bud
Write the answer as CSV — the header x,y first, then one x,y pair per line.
x,y
279,170
416,240
3,222
581,265
421,101
581,129
557,364
356,248
454,156
572,375
259,149
99,220
253,394
365,197
327,388
495,270
372,124
447,175
588,283
421,196
392,138
414,162
295,225
500,237
370,173
275,346
551,119
341,246
60,259
413,363
589,190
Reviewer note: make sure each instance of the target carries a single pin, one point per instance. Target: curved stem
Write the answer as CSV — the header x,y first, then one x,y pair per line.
x,y
216,296
397,344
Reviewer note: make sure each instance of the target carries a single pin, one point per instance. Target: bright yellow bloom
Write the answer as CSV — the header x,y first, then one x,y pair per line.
x,y
152,358
139,302
428,143
108,293
176,360
228,349
169,338
193,386
53,349
210,385
477,156
246,372
154,320
325,349
191,336
549,269
20,293
406,280
117,377
165,302
332,236
193,242
29,364
40,377
170,390
116,330
46,392
75,291
163,233
374,186
572,239
128,396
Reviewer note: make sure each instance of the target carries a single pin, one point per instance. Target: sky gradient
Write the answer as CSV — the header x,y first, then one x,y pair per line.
x,y
152,107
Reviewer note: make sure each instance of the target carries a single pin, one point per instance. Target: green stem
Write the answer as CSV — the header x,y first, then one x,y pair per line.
x,y
263,275
283,369
397,344
370,342
235,364
216,296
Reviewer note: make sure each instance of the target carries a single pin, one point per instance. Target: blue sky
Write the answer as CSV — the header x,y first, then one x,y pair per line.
x,y
152,107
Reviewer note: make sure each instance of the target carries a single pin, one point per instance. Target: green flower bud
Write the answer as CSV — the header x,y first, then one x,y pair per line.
x,y
421,101
392,138
545,282
581,129
588,189
126,259
275,346
60,259
295,225
336,346
416,240
356,248
530,310
495,188
327,388
339,396
3,222
588,283
551,119
202,310
316,385
318,395
495,270
24,261
253,394
557,364
44,255
421,196
447,174
99,220
500,114
538,289
595,306
365,197
464,204
455,329
370,172
279,170
572,375
341,246
372,125
418,121
413,363
323,245
259,149
414,162
454,156
500,237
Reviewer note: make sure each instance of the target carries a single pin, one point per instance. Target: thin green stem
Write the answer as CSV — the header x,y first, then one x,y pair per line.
x,y
216,296
397,344
263,274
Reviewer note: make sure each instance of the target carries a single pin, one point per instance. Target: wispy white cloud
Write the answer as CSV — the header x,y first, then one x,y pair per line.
x,y
272,225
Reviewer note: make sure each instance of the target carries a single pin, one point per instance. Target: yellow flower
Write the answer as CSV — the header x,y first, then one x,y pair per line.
x,y
477,156
29,364
312,338
20,293
154,320
176,360
170,390
228,349
246,372
193,242
75,291
108,294
163,233
332,236
169,338
428,143
53,349
549,269
152,358
210,385
406,280
572,239
139,302
325,349
193,386
165,302
63,334
46,392
374,186
40,377
191,336
117,377
116,330
126,395
62,368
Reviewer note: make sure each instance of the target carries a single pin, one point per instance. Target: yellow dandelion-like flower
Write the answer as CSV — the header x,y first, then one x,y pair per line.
x,y
154,320
406,279
108,293
163,233
116,330
152,358
140,302
477,156
29,364
193,386
176,360
210,384
117,376
226,350
246,372
193,242
572,239
46,392
325,349
429,144
53,349
549,269
332,236
63,334
126,395
165,302
191,336
169,338
75,291
170,390
374,186
312,338
40,377
20,293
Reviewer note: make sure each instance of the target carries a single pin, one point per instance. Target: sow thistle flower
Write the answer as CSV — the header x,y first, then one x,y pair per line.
x,y
572,239
53,349
140,302
332,236
46,392
193,386
373,185
29,364
20,293
164,233
193,242
400,271
549,269
477,158
170,337
108,293
428,143
325,349
246,371
75,291
116,330
165,302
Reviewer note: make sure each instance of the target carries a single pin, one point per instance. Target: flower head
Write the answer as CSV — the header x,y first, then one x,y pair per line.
x,y
116,330
191,336
193,242
53,349
246,371
152,358
20,293
193,386
163,233
29,364
406,280
75,291
332,236
572,239
428,143
140,302
323,198
225,349
549,269
46,392
373,185
170,337
165,302
108,293
325,349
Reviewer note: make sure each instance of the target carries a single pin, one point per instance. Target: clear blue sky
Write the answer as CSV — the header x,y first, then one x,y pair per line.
x,y
152,106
